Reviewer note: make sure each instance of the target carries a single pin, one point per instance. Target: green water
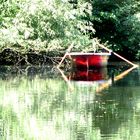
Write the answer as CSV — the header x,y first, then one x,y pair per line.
x,y
40,104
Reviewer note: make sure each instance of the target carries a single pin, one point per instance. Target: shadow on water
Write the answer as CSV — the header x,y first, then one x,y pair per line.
x,y
115,108
37,103
115,111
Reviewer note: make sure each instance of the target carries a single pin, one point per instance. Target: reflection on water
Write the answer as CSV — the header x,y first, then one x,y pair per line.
x,y
37,104
95,74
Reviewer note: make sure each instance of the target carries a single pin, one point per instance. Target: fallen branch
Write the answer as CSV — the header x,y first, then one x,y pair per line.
x,y
68,50
102,46
116,78
66,79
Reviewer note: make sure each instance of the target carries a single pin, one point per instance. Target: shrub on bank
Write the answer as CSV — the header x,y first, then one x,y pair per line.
x,y
118,22
43,25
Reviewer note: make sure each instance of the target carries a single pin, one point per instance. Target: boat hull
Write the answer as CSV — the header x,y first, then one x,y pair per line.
x,y
89,60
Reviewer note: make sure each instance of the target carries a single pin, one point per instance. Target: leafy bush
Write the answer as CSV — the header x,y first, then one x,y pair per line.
x,y
43,25
116,22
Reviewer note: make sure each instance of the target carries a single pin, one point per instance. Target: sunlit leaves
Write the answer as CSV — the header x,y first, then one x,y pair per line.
x,y
48,21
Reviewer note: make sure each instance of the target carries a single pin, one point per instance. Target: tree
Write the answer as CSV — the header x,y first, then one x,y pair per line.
x,y
117,22
43,24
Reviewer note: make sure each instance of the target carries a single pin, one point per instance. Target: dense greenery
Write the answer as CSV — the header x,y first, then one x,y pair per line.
x,y
41,24
55,24
118,22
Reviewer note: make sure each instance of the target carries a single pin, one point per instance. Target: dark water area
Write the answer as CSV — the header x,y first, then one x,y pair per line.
x,y
46,103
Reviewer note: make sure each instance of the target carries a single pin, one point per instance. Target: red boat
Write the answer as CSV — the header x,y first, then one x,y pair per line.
x,y
87,60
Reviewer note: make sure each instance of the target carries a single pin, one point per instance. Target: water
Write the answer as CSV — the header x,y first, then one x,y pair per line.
x,y
43,103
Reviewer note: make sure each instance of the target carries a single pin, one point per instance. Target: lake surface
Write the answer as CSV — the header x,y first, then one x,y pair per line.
x,y
45,103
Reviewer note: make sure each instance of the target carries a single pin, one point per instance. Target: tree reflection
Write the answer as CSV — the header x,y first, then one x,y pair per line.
x,y
116,107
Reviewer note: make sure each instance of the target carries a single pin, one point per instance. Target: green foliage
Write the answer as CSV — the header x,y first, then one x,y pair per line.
x,y
41,24
8,8
117,22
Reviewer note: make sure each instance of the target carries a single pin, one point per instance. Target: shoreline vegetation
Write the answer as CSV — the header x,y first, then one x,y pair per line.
x,y
13,57
34,31
38,32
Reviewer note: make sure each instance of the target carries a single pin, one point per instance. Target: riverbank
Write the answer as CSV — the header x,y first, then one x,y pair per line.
x,y
11,57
